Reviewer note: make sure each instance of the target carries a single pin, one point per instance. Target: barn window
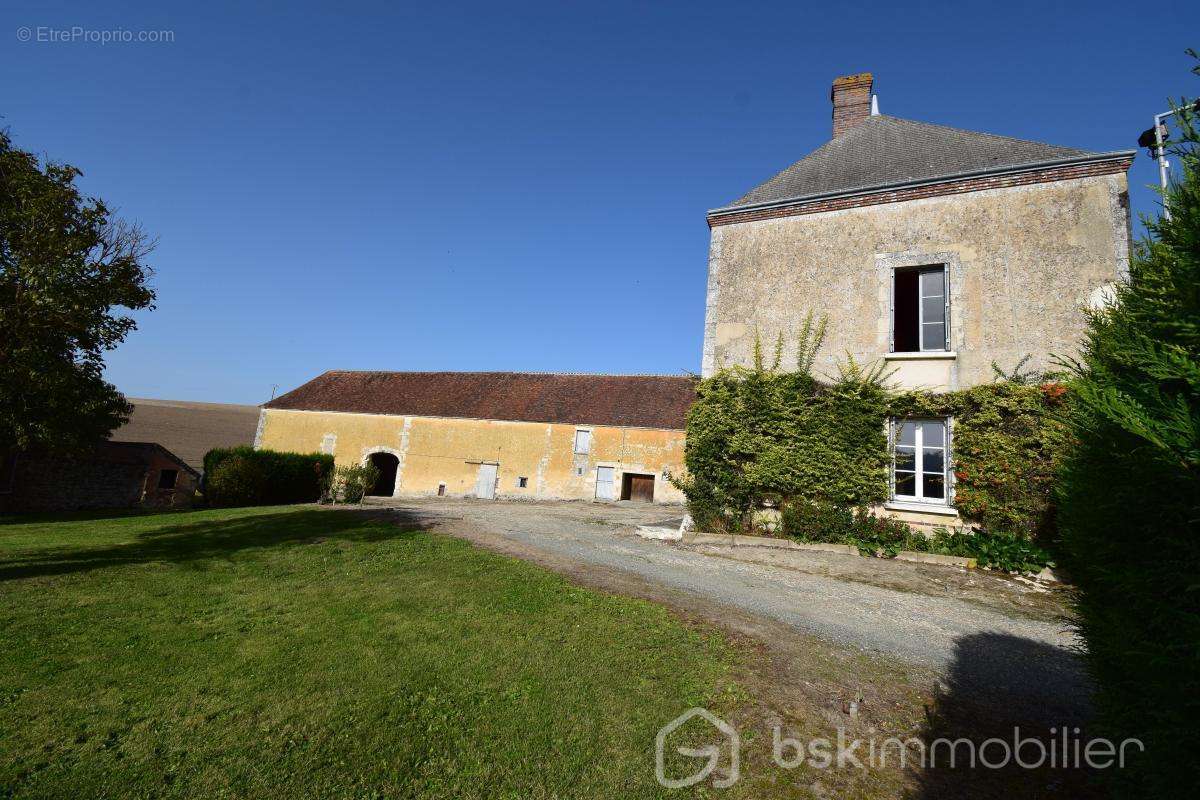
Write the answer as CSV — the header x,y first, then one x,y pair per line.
x,y
583,442
920,310
522,482
167,478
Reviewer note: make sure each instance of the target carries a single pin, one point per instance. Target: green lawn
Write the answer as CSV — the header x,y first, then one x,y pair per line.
x,y
295,652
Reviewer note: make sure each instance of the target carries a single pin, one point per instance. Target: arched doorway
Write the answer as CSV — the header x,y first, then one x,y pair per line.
x,y
387,464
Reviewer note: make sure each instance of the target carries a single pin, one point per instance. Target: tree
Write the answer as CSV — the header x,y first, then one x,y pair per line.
x,y
67,267
1130,498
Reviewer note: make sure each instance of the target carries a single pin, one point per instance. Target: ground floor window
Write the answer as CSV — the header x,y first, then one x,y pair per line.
x,y
920,461
167,478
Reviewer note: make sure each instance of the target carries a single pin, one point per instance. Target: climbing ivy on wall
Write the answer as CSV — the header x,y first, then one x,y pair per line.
x,y
1009,438
760,436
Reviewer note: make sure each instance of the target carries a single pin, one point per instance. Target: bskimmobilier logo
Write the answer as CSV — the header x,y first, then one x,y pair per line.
x,y
718,729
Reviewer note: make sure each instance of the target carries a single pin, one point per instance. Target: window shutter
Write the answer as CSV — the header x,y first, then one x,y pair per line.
x,y
950,461
946,324
891,434
892,315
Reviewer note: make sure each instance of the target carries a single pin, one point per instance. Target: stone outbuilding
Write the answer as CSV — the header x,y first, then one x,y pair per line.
x,y
110,475
512,435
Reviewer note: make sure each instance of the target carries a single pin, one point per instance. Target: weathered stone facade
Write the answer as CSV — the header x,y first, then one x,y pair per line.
x,y
114,475
439,455
1023,262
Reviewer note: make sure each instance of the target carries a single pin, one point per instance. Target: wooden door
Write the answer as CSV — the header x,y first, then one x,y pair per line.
x,y
641,487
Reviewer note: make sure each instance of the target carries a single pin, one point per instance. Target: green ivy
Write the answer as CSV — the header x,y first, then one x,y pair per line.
x,y
760,436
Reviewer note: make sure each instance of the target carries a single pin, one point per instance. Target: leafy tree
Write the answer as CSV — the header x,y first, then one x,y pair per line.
x,y
1130,498
67,265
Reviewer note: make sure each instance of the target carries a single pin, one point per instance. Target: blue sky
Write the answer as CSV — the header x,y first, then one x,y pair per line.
x,y
507,186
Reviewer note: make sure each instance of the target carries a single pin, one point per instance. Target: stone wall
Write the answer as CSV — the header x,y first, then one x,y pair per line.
x,y
1024,261
48,483
444,453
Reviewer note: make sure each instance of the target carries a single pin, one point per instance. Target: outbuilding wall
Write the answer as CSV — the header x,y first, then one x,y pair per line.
x,y
437,451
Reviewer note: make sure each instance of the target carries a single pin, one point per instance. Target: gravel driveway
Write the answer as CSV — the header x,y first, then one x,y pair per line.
x,y
985,650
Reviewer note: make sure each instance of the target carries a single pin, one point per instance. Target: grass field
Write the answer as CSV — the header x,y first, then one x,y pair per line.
x,y
294,652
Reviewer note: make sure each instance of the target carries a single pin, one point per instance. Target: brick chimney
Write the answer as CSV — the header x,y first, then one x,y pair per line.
x,y
851,96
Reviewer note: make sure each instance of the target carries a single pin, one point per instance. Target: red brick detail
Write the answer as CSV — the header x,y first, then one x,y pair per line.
x,y
851,96
902,194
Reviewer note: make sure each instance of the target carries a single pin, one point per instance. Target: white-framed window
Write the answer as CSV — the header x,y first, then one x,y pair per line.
x,y
920,309
583,442
921,461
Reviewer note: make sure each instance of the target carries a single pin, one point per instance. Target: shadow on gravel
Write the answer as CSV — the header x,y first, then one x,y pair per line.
x,y
1001,687
180,543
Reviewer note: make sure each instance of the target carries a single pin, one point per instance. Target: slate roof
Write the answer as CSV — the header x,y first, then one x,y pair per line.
x,y
136,453
884,151
640,401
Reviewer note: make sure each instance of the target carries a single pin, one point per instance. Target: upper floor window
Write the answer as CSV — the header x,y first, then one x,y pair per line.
x,y
920,310
583,442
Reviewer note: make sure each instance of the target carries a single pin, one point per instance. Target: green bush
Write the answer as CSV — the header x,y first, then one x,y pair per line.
x,y
350,483
837,524
1130,499
235,481
884,536
761,434
1009,552
286,477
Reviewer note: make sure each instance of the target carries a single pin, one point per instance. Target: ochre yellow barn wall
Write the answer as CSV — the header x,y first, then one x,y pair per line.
x,y
440,450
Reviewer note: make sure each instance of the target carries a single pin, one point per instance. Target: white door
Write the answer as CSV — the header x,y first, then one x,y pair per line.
x,y
604,483
485,484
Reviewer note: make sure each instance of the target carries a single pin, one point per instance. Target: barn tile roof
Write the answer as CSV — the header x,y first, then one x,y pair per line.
x,y
885,151
640,401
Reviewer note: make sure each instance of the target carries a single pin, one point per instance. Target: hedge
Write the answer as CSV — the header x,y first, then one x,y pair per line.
x,y
1130,499
245,476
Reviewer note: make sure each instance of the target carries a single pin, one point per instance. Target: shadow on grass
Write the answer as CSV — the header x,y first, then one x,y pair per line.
x,y
180,543
1001,686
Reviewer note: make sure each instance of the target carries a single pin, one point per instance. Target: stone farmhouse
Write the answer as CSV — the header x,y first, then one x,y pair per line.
x,y
936,250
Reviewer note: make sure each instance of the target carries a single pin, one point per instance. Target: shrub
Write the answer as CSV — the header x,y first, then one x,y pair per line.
x,y
286,477
1130,498
350,483
235,481
1009,552
835,524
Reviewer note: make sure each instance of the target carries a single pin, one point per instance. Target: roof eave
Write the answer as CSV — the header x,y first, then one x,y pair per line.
x,y
1090,158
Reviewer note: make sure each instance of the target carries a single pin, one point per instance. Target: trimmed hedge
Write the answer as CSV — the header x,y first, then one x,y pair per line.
x,y
245,476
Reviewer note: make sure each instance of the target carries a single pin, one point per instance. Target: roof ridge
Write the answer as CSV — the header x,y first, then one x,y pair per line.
x,y
504,372
884,150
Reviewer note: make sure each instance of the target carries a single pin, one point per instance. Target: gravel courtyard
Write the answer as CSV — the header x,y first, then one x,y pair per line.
x,y
1006,644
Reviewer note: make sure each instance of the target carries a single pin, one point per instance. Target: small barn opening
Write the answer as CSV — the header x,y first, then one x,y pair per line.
x,y
387,464
639,488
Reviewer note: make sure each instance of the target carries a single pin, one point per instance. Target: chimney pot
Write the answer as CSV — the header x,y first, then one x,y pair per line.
x,y
851,96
